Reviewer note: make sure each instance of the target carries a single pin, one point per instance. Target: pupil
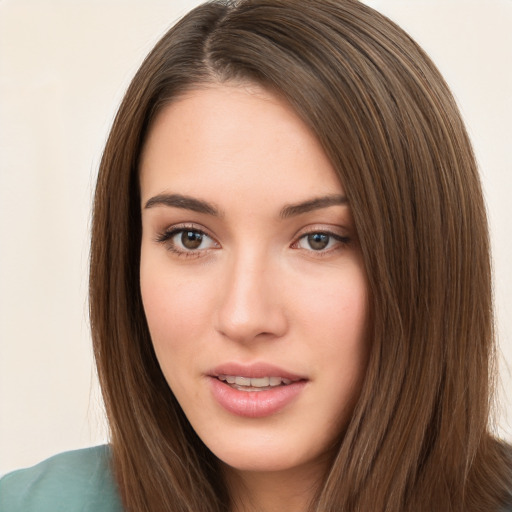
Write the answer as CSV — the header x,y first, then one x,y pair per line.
x,y
318,241
191,239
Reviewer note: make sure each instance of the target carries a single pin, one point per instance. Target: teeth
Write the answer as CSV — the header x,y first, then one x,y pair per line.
x,y
262,382
242,381
255,382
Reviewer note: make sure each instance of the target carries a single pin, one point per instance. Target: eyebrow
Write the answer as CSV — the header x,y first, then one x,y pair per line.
x,y
292,210
185,202
201,206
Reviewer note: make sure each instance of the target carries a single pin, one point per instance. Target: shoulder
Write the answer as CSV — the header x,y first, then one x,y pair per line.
x,y
77,481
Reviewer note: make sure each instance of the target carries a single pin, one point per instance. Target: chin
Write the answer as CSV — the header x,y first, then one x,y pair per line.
x,y
266,453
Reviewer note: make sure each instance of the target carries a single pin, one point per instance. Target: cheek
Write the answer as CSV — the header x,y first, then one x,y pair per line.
x,y
172,314
176,309
338,305
336,325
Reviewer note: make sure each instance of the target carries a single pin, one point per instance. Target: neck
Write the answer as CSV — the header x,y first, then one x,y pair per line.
x,y
290,490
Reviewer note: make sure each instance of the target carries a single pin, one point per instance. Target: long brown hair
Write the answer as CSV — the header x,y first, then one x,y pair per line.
x,y
419,438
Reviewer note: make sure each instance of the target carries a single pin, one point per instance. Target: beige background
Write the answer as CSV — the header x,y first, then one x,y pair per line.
x,y
63,68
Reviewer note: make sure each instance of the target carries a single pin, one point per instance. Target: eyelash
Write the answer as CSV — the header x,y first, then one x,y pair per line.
x,y
167,236
343,241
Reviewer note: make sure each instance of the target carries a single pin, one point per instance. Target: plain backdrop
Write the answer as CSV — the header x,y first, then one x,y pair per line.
x,y
64,66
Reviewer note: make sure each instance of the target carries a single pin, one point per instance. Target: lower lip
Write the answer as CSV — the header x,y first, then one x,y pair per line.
x,y
255,404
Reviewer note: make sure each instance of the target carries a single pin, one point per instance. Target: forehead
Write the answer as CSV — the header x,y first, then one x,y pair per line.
x,y
241,140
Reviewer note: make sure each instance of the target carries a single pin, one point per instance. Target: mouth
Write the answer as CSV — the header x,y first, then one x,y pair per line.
x,y
254,383
255,390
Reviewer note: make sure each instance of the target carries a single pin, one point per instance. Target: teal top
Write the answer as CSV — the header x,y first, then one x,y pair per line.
x,y
77,481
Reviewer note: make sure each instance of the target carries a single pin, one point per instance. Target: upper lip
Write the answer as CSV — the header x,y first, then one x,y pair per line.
x,y
254,370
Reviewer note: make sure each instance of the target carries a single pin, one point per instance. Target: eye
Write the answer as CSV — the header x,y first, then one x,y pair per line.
x,y
320,241
187,241
190,240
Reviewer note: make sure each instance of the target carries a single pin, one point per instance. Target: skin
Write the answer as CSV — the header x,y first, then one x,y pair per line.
x,y
254,288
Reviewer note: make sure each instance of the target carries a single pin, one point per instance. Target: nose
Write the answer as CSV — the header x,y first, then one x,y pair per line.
x,y
251,305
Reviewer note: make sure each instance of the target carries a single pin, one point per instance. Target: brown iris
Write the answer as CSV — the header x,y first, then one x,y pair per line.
x,y
191,239
318,241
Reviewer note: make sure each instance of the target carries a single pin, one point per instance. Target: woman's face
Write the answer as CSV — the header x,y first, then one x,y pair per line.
x,y
252,278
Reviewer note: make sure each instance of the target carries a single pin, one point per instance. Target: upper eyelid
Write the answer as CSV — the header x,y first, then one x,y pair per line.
x,y
176,228
328,229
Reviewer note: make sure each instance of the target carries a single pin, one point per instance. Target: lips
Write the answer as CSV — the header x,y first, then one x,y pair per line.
x,y
255,370
254,391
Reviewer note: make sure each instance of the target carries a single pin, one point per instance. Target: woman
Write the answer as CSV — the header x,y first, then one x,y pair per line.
x,y
290,279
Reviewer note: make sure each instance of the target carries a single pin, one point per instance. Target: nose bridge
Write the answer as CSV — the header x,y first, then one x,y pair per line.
x,y
249,304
